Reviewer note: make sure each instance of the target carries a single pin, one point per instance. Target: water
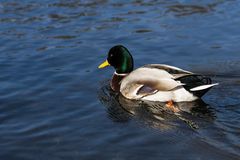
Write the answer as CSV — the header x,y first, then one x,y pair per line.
x,y
56,104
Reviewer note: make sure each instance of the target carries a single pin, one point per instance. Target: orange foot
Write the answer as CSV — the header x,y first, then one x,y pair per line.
x,y
170,105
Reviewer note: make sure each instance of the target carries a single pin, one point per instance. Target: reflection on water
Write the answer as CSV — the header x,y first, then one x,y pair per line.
x,y
154,114
183,10
193,8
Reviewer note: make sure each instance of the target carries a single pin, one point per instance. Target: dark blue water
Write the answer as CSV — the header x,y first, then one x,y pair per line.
x,y
55,103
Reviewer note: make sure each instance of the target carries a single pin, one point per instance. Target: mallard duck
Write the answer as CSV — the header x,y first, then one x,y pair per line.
x,y
154,82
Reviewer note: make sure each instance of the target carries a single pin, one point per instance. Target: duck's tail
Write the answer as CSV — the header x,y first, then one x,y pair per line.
x,y
197,84
201,90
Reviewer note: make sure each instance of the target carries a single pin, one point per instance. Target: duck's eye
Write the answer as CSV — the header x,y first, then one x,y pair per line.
x,y
111,55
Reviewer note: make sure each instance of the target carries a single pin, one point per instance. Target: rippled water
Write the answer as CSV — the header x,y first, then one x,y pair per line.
x,y
56,104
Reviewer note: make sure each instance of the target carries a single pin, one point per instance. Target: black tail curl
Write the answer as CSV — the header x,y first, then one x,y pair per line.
x,y
192,81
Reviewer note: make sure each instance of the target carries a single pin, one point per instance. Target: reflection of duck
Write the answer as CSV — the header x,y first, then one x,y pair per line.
x,y
153,114
110,100
154,82
156,108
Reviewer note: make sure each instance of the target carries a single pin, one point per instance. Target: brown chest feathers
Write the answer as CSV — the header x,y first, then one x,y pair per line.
x,y
116,81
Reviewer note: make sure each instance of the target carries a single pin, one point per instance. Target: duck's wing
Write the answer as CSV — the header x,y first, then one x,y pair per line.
x,y
145,81
194,83
174,71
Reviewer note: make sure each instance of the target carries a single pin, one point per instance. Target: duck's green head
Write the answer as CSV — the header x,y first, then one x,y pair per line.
x,y
120,58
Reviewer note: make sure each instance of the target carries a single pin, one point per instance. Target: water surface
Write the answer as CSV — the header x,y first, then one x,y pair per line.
x,y
56,104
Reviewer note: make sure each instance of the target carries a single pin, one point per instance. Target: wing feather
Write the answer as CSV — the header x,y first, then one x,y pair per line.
x,y
153,78
168,68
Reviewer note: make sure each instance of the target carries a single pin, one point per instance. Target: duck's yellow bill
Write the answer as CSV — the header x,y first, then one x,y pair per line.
x,y
104,64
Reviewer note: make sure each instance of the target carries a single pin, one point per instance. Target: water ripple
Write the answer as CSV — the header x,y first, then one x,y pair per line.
x,y
52,95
